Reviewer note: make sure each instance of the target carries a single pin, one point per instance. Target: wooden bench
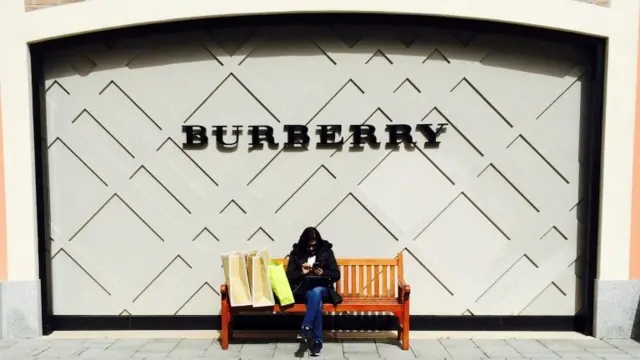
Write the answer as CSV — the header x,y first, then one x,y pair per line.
x,y
366,285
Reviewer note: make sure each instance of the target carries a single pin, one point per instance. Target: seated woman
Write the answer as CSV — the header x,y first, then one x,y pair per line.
x,y
313,255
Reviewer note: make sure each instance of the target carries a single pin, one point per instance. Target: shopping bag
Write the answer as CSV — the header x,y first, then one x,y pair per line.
x,y
234,266
248,255
280,283
261,292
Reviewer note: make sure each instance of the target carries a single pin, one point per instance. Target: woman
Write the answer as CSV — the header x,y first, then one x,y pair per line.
x,y
313,255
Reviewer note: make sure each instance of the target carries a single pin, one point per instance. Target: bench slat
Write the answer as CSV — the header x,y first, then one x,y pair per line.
x,y
385,288
369,275
392,277
366,278
354,261
376,283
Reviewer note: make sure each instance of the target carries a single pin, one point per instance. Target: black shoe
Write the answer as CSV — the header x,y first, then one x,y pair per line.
x,y
303,334
316,346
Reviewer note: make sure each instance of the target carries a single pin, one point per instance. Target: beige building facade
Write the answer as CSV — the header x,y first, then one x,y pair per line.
x,y
514,209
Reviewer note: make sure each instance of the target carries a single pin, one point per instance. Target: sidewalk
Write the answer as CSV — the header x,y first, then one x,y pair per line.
x,y
432,349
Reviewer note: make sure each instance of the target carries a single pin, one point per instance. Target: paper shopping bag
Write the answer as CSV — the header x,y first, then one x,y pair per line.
x,y
235,274
261,291
280,283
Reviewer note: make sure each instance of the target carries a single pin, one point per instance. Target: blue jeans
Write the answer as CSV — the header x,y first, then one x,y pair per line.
x,y
313,316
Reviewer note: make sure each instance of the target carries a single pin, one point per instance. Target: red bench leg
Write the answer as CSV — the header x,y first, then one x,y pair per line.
x,y
404,332
225,317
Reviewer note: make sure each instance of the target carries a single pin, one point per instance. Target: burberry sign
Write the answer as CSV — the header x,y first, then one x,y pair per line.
x,y
328,136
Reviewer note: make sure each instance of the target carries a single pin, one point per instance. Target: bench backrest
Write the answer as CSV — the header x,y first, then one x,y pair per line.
x,y
368,277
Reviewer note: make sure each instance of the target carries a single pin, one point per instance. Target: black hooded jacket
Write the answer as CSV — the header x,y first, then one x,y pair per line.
x,y
324,256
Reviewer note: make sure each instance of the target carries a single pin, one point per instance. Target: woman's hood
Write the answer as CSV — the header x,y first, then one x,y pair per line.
x,y
324,245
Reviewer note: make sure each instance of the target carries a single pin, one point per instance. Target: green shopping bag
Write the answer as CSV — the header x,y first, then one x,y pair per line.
x,y
280,283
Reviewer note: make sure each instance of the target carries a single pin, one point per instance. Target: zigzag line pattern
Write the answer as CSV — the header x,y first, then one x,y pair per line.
x,y
490,221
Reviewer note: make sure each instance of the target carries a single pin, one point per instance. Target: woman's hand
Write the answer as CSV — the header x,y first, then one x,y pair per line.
x,y
305,269
317,271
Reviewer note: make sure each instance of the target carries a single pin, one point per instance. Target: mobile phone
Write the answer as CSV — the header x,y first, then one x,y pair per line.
x,y
316,265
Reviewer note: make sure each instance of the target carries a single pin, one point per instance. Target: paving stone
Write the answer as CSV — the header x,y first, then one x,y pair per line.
x,y
430,348
457,343
128,344
445,349
258,351
159,346
394,351
186,353
387,348
501,352
221,355
526,345
609,353
194,344
215,351
116,353
543,355
150,355
99,342
21,351
573,354
400,355
495,348
561,345
61,351
593,344
92,351
623,343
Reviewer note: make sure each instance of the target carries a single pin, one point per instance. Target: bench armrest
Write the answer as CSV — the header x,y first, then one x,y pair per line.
x,y
404,290
224,292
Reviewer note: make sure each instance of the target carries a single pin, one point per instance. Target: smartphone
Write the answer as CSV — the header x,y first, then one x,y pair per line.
x,y
316,265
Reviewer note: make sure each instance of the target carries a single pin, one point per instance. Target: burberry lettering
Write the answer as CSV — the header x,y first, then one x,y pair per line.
x,y
328,136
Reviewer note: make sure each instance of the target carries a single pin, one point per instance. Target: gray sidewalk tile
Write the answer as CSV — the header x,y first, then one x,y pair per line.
x,y
457,343
258,351
186,353
116,353
574,354
592,344
214,350
355,349
392,350
561,345
462,349
431,348
62,351
203,349
195,344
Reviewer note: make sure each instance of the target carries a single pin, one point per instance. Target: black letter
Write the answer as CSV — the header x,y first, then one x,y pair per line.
x,y
399,133
430,134
260,133
219,132
363,132
296,135
196,136
328,136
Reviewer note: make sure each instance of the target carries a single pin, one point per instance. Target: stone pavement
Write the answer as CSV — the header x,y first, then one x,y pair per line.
x,y
432,349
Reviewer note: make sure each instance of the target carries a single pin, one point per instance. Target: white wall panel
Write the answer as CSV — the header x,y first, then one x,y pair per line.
x,y
487,221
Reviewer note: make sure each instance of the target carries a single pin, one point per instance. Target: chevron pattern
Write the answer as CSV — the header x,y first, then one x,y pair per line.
x,y
490,222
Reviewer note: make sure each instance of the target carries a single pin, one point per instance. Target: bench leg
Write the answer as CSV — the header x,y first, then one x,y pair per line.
x,y
225,328
404,331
